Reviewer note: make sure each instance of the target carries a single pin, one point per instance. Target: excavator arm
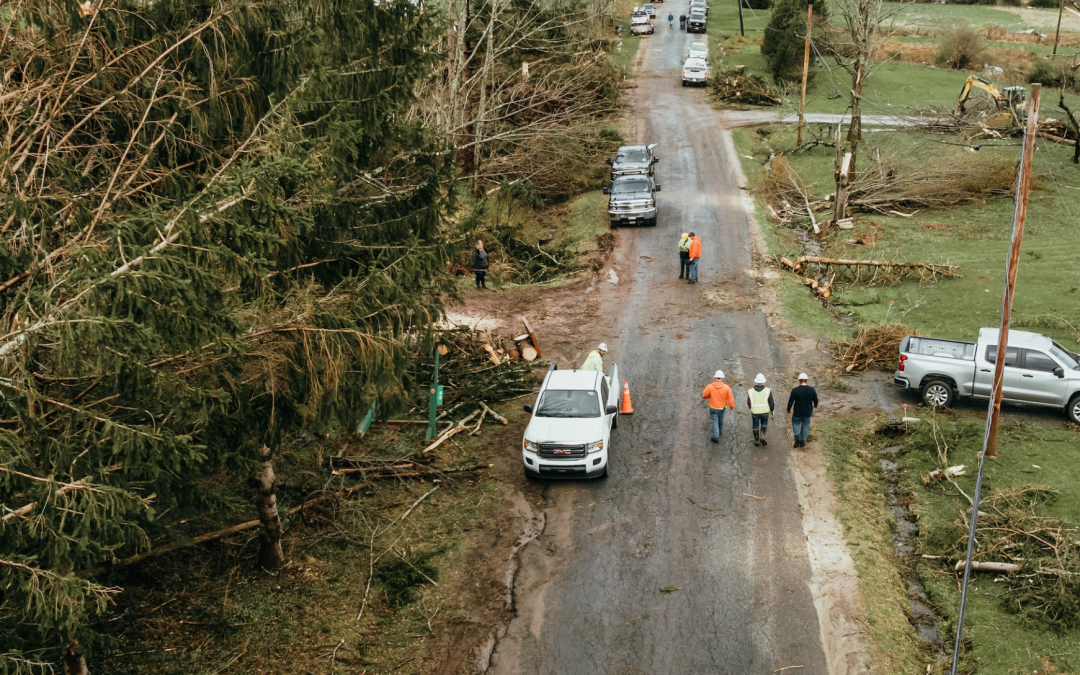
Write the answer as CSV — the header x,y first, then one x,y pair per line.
x,y
978,83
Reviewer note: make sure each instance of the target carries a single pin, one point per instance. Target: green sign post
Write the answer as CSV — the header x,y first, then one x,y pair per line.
x,y
434,400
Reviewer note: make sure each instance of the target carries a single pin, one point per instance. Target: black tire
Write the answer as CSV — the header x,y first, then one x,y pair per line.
x,y
684,83
938,394
607,471
1072,411
652,222
614,224
615,421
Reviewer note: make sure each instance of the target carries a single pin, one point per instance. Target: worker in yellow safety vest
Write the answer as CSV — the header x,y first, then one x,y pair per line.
x,y
595,359
760,401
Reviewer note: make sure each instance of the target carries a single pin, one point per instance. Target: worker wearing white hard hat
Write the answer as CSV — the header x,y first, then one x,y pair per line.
x,y
761,404
595,359
720,399
800,405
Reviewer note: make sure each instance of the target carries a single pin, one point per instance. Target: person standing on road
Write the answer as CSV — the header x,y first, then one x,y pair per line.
x,y
760,401
695,255
720,398
684,256
480,265
682,21
670,20
595,359
803,399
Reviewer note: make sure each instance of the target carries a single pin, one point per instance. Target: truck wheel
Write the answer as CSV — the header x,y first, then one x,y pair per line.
x,y
615,421
607,470
651,222
938,394
1073,410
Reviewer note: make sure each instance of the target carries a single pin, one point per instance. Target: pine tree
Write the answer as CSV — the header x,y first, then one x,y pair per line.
x,y
219,227
784,43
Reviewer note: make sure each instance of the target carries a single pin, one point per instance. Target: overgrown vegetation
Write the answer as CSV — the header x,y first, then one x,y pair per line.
x,y
961,48
783,44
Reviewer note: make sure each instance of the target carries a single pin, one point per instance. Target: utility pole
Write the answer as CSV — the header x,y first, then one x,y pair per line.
x,y
1023,184
1057,32
434,399
741,30
806,69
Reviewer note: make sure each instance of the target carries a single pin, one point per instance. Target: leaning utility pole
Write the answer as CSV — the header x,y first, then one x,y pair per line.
x,y
741,30
1057,31
1023,183
806,69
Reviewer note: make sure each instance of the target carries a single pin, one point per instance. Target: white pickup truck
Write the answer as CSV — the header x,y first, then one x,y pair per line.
x,y
1038,371
570,431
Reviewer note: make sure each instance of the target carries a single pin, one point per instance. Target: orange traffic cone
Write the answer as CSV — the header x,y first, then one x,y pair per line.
x,y
627,409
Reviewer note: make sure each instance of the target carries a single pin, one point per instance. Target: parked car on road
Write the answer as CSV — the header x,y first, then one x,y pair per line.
x,y
641,25
632,200
649,9
696,23
1038,371
698,6
698,50
569,435
695,71
633,159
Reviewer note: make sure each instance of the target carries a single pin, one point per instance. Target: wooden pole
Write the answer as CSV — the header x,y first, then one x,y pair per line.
x,y
806,70
1057,31
1023,184
742,31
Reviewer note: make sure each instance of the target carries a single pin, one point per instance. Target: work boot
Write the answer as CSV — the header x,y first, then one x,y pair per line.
x,y
715,440
757,437
798,443
763,430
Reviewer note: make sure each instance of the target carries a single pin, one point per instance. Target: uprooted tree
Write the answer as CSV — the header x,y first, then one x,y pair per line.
x,y
216,228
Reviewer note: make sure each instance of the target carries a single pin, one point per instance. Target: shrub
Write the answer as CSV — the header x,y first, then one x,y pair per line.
x,y
1051,73
761,4
784,41
1044,4
961,48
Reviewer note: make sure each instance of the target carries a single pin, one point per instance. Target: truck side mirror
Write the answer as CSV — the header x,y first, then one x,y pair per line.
x,y
1059,371
606,190
656,188
528,409
607,160
612,409
655,159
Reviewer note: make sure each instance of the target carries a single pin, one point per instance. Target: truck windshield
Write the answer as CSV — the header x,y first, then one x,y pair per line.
x,y
634,156
630,186
567,403
1065,356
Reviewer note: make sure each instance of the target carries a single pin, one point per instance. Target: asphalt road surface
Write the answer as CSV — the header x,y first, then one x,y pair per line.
x,y
716,526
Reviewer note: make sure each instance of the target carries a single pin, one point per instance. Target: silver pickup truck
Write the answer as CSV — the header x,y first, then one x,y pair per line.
x,y
1038,371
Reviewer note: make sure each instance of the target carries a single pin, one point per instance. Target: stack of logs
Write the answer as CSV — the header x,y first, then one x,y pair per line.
x,y
822,286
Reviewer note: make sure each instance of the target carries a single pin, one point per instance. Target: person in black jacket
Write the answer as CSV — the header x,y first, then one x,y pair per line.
x,y
802,401
480,264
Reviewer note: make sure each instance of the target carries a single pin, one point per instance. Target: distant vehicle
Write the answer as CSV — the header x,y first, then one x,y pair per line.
x,y
569,435
632,200
1038,371
698,50
632,159
696,23
1010,102
698,6
650,9
641,25
695,71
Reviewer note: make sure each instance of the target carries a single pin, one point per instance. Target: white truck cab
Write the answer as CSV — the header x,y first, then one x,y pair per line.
x,y
569,434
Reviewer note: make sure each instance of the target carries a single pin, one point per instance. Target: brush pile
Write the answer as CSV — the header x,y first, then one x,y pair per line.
x,y
1045,590
889,186
736,86
787,198
874,348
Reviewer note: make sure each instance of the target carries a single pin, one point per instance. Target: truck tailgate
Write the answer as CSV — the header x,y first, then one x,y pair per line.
x,y
948,349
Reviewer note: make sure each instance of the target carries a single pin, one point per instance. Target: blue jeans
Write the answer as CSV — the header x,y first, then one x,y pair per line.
x,y
761,420
693,269
800,426
684,267
717,419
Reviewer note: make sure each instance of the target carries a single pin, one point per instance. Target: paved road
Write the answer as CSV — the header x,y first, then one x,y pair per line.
x,y
587,596
750,118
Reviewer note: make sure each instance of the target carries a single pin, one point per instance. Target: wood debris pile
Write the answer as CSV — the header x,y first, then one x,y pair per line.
x,y
874,348
787,198
736,86
890,187
867,272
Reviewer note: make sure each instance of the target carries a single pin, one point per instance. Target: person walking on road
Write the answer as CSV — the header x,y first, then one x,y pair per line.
x,y
671,20
684,256
595,359
760,400
480,265
682,21
720,399
695,255
803,399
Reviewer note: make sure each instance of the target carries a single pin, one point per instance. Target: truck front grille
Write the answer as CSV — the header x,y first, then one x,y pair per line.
x,y
557,451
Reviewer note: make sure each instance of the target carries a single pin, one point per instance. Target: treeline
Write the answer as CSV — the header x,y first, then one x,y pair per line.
x,y
224,222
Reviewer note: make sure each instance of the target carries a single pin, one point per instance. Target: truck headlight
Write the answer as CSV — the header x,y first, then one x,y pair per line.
x,y
596,447
529,445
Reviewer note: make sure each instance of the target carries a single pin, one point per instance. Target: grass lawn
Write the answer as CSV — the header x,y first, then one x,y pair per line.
x,y
1001,643
937,17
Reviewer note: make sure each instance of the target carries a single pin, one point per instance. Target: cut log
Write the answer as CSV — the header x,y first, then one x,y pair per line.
x,y
532,337
443,350
492,356
999,567
494,414
529,353
521,338
514,354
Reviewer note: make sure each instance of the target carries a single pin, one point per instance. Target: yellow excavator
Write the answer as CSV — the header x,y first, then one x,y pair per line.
x,y
1010,102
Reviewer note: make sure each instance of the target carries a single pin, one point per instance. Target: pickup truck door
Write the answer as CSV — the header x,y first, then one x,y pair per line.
x,y
1037,382
609,389
984,372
